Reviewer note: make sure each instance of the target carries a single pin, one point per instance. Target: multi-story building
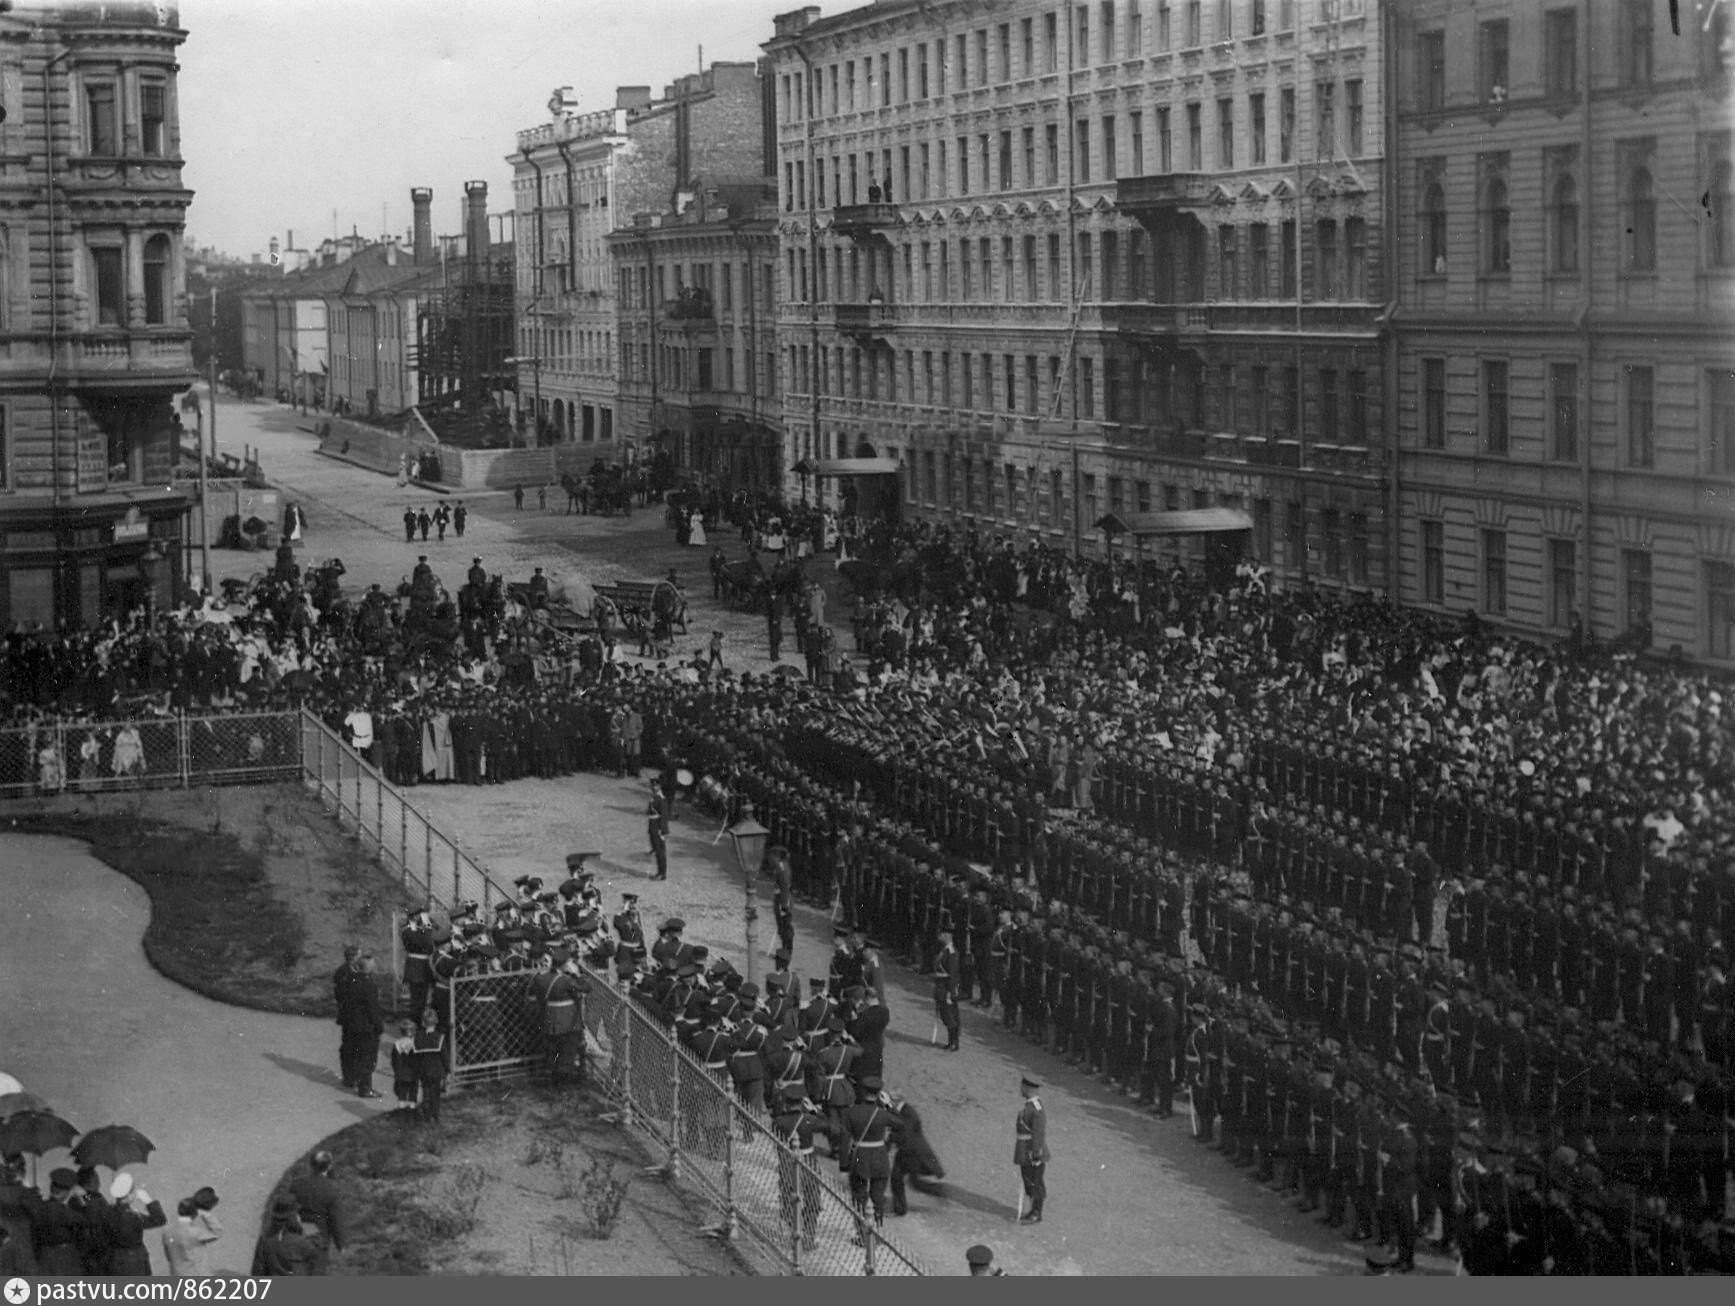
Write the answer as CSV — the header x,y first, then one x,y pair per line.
x,y
1565,277
371,320
1067,260
93,312
698,333
581,177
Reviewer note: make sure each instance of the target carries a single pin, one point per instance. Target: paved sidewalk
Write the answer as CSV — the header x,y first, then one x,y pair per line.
x,y
230,1097
1129,1194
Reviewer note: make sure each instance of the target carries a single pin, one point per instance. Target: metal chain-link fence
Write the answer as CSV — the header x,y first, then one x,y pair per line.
x,y
790,1207
67,755
780,1206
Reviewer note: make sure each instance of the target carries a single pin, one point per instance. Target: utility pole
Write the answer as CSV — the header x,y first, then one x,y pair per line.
x,y
204,496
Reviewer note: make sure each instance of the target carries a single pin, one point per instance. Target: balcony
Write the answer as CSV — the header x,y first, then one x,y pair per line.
x,y
128,358
863,222
1281,317
1162,193
1179,323
866,324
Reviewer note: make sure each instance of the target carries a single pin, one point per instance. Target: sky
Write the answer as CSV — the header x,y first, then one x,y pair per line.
x,y
291,109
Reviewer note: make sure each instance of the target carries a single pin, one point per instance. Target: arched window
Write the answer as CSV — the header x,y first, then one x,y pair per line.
x,y
1497,229
1720,196
1565,226
1434,229
1641,222
157,282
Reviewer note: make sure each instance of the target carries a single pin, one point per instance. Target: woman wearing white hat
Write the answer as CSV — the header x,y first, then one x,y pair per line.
x,y
133,1211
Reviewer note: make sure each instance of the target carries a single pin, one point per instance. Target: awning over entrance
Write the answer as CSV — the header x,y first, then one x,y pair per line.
x,y
856,467
1191,521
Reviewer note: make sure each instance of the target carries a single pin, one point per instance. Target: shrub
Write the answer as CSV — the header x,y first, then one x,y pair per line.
x,y
600,1196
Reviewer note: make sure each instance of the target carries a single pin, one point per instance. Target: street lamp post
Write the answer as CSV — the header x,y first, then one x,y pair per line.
x,y
750,838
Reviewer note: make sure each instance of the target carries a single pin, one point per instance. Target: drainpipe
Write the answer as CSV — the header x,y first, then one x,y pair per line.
x,y
536,276
1394,261
810,97
1586,342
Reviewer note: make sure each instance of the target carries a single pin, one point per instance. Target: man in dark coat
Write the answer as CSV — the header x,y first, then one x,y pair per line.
x,y
56,1226
360,1019
284,1249
872,1125
915,1162
320,1208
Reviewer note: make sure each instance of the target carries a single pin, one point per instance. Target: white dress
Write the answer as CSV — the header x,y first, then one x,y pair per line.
x,y
696,532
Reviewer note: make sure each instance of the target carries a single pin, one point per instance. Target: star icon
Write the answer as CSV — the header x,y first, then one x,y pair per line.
x,y
17,1291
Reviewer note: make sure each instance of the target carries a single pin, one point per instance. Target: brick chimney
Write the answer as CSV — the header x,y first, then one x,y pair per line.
x,y
422,201
476,221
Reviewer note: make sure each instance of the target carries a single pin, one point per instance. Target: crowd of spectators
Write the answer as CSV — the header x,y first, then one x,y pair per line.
x,y
1431,921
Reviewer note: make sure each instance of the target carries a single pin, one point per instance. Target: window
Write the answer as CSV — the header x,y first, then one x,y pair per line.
x,y
1051,140
1195,28
1641,224
1030,384
1257,19
1256,127
1135,30
1720,402
922,71
1325,260
1005,52
1225,133
123,452
1195,138
1636,575
1563,224
963,165
1137,121
1225,19
1087,287
1286,125
1087,387
1051,42
1054,286
1111,402
1286,262
1358,548
1027,41
1563,412
1030,156
1291,402
153,119
1165,143
1352,105
1356,423
1720,219
1109,171
1497,229
1258,261
1433,562
1107,30
100,122
1328,415
1641,417
1111,266
159,287
1006,160
1227,279
4,482
1081,153
1431,70
1495,52
1163,27
1561,51
1636,42
1355,242
1325,129
1720,609
1433,224
1261,529
1331,531
1494,572
1495,411
1295,532
109,285
1081,52
1562,582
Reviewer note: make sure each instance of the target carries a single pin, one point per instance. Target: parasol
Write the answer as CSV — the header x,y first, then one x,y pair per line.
x,y
9,1084
114,1146
12,1103
35,1132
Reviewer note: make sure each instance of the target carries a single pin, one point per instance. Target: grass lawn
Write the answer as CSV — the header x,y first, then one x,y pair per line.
x,y
253,891
507,1183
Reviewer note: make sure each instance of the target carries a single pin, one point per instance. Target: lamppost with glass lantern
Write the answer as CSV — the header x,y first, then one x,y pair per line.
x,y
750,838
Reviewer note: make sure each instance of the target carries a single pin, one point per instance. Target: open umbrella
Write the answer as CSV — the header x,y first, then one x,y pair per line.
x,y
9,1084
35,1132
13,1102
113,1146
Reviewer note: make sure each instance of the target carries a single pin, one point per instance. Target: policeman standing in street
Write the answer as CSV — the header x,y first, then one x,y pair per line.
x,y
948,975
795,1122
1030,1150
563,1023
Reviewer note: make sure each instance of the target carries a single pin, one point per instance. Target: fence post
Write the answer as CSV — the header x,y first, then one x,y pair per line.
x,y
457,879
184,745
624,1055
403,840
360,775
319,770
427,856
729,1216
673,1169
380,820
